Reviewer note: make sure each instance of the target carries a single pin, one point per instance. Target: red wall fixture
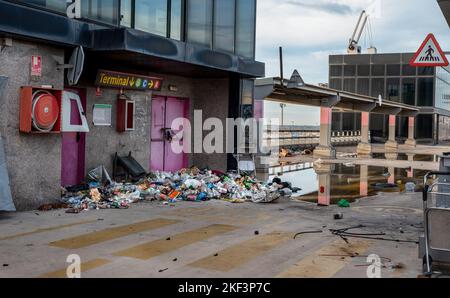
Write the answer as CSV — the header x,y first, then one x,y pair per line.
x,y
125,114
40,110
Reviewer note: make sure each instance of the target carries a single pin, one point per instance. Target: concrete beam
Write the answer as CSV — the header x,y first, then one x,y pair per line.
x,y
408,113
330,101
386,110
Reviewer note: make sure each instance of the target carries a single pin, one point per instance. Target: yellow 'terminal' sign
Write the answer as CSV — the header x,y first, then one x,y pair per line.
x,y
115,79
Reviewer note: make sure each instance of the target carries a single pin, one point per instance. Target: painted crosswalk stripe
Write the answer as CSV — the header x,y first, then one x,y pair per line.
x,y
154,248
243,252
84,267
327,261
41,230
111,233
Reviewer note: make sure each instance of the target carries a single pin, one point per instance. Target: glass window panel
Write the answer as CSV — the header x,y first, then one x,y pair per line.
x,y
199,23
393,69
349,85
335,70
224,25
363,86
126,13
408,70
56,5
349,70
424,127
409,91
393,89
151,16
100,10
378,87
378,70
336,84
176,19
245,28
364,70
425,92
425,71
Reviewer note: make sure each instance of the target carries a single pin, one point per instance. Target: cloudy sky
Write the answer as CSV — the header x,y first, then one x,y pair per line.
x,y
310,30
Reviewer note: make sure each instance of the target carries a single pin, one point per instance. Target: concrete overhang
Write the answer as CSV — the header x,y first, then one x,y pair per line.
x,y
445,7
286,91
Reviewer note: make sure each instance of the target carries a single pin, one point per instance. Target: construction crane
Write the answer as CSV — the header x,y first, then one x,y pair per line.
x,y
353,46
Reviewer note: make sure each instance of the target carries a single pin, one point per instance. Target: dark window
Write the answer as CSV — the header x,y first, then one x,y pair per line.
x,y
349,85
363,86
199,23
393,70
425,71
245,28
425,92
378,87
378,70
126,12
336,84
55,5
348,121
408,70
224,25
176,19
409,91
100,10
424,127
336,121
151,16
393,89
335,70
349,70
364,70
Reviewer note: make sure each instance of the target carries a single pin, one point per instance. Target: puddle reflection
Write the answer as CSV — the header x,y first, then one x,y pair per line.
x,y
328,184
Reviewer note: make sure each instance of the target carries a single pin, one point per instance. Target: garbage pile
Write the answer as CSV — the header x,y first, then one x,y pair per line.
x,y
186,185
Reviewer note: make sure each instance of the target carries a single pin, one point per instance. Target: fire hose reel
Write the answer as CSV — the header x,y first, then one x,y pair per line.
x,y
45,111
40,110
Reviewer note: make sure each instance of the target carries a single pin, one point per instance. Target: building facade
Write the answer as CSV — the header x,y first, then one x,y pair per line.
x,y
391,76
146,63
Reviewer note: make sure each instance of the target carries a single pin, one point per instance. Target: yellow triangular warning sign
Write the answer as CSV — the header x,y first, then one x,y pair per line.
x,y
429,54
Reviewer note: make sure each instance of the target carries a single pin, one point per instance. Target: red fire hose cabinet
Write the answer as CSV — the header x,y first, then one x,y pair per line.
x,y
40,110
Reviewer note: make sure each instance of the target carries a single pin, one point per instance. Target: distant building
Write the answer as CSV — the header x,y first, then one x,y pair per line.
x,y
445,7
391,76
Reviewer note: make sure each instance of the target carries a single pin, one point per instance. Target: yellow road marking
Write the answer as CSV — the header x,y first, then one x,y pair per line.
x,y
111,233
46,229
327,261
84,267
154,248
242,253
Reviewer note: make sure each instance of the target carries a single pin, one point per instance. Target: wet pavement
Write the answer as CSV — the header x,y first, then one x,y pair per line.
x,y
215,239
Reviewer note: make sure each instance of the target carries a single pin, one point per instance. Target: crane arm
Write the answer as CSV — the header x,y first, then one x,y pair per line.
x,y
354,40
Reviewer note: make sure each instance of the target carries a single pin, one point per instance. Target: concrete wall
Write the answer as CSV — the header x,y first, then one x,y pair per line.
x,y
210,96
33,160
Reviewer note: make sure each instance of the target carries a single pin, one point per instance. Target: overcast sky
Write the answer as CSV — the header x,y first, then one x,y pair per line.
x,y
310,30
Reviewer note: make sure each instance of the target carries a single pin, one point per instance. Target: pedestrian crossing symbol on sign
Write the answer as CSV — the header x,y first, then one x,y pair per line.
x,y
429,54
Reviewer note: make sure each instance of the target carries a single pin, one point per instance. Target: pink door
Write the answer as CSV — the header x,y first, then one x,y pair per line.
x,y
164,111
73,146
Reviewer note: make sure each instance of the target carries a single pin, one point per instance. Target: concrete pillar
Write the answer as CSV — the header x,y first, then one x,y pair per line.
x,y
391,145
391,178
325,150
411,128
364,181
324,179
364,148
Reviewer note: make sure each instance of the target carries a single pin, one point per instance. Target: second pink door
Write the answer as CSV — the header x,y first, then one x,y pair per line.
x,y
164,111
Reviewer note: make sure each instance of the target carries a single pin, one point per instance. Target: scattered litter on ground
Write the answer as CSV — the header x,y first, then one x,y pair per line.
x,y
344,203
344,234
338,216
307,232
193,185
410,187
55,206
162,270
256,232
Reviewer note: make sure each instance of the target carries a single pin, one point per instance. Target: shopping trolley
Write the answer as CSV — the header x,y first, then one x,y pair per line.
x,y
434,245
